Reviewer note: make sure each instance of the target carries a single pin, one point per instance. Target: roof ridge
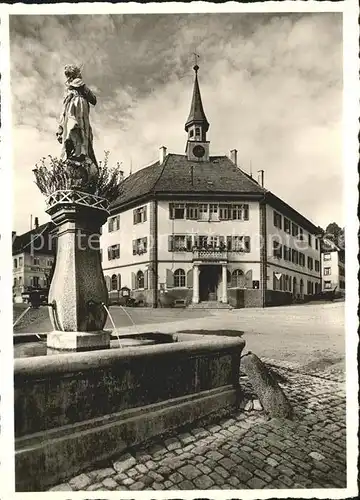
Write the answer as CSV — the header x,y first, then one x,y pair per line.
x,y
161,173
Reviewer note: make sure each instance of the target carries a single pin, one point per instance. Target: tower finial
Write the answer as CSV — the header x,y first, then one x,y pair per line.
x,y
196,66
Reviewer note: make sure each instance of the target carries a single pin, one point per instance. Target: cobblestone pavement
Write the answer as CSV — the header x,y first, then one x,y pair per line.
x,y
245,451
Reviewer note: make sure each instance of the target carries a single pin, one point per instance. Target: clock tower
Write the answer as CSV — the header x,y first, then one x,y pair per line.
x,y
196,126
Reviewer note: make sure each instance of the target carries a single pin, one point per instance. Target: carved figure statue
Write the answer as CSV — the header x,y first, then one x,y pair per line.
x,y
74,132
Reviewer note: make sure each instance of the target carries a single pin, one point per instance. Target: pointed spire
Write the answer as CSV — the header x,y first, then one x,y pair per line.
x,y
197,114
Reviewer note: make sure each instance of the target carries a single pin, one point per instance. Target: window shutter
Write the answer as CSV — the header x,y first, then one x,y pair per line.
x,y
169,278
247,243
171,243
119,281
196,241
107,281
145,214
133,281
246,212
248,279
134,216
228,242
134,247
146,279
190,278
189,243
171,210
109,253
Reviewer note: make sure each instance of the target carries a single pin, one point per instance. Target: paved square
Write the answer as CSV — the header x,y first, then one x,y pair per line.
x,y
246,450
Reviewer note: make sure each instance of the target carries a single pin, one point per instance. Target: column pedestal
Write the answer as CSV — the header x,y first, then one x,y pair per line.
x,y
78,290
78,341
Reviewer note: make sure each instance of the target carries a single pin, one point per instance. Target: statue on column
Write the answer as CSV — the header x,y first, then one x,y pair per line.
x,y
74,132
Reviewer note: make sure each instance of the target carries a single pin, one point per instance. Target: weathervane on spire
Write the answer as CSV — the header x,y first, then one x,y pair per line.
x,y
196,57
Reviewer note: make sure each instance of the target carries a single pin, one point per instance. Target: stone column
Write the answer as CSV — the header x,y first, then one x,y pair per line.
x,y
195,299
78,291
224,298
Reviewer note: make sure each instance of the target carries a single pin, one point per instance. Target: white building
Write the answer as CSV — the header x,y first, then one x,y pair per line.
x,y
197,228
332,267
33,259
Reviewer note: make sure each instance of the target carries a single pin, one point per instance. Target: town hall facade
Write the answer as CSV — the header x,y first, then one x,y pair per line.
x,y
195,229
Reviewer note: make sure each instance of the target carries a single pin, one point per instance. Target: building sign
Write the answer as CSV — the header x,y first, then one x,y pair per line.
x,y
278,275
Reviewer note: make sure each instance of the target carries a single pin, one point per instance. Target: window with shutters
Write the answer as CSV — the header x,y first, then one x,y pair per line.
x,y
140,246
140,280
277,220
114,252
287,253
238,243
287,225
277,249
214,211
180,243
295,256
203,211
114,223
139,215
327,271
224,212
179,278
177,210
237,212
301,259
310,263
192,211
203,242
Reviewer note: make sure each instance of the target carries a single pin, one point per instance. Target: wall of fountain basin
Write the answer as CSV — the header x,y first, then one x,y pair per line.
x,y
74,410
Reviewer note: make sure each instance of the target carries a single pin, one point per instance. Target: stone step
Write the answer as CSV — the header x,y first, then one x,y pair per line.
x,y
210,305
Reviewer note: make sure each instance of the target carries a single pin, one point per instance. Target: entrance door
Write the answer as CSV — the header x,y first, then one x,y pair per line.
x,y
208,283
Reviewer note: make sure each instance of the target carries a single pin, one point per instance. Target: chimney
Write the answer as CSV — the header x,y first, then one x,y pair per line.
x,y
261,178
233,156
162,154
36,222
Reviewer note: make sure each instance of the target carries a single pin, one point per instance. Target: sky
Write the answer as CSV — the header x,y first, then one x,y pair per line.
x,y
271,86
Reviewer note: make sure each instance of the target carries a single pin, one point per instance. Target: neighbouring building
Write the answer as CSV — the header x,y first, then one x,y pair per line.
x,y
195,228
332,267
33,258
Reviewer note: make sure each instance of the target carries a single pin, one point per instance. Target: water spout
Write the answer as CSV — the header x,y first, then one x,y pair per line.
x,y
112,322
130,318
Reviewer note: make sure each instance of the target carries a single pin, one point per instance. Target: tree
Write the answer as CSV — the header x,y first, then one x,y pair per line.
x,y
336,234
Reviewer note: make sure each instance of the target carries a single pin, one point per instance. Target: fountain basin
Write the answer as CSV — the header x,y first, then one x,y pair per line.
x,y
73,410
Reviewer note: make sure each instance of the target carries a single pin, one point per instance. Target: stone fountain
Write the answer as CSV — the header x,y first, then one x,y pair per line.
x,y
74,409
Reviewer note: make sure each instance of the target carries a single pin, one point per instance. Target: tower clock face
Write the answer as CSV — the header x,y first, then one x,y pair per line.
x,y
199,151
